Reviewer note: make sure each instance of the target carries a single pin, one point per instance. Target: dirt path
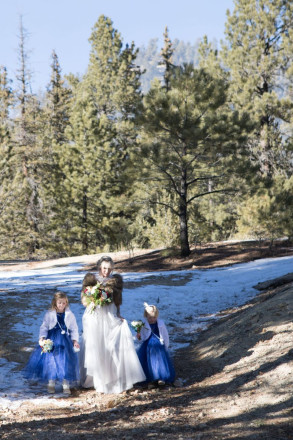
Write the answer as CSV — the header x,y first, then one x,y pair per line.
x,y
238,378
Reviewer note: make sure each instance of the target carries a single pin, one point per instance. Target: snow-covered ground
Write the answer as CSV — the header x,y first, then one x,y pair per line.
x,y
187,301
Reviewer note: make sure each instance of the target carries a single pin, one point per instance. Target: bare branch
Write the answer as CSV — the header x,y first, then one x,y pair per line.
x,y
227,191
166,205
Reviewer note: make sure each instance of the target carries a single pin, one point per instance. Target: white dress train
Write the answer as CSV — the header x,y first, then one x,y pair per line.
x,y
108,358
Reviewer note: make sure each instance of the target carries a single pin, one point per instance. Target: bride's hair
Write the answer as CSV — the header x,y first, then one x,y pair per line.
x,y
106,260
89,280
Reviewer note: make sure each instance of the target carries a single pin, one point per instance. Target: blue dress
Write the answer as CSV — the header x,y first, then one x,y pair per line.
x,y
155,359
59,364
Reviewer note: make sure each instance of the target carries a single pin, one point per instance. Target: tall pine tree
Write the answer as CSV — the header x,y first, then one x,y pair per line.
x,y
102,135
258,53
56,112
166,55
188,137
23,221
6,152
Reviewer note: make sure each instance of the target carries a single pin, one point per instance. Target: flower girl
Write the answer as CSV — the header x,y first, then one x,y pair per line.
x,y
153,352
55,358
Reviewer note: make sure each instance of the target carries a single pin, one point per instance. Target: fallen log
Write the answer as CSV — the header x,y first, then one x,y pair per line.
x,y
276,282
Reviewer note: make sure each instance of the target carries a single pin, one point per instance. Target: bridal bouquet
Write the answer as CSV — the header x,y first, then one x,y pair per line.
x,y
97,296
47,345
137,325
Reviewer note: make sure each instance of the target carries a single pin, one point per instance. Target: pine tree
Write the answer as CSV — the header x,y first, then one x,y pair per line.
x,y
56,112
102,136
188,138
6,101
22,221
80,163
6,168
268,213
167,62
258,53
57,103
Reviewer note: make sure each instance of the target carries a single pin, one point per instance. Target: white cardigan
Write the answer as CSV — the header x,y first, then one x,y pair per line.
x,y
50,320
145,332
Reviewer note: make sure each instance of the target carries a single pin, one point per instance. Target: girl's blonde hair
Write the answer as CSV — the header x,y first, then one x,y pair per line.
x,y
150,310
58,295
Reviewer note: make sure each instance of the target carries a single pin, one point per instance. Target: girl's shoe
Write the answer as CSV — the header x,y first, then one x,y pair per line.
x,y
51,387
66,388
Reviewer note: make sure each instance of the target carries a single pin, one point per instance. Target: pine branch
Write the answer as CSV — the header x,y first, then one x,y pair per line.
x,y
226,191
166,205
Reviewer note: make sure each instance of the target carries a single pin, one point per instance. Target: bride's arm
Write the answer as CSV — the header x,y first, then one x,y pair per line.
x,y
83,300
118,313
116,283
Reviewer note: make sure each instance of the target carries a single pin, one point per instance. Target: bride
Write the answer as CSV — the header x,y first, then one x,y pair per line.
x,y
108,359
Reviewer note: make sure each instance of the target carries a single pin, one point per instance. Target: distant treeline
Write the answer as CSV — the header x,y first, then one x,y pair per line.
x,y
164,146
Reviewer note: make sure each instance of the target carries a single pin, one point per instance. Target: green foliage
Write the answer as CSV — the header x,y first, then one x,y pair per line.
x,y
167,59
21,222
169,253
156,226
101,134
204,155
269,213
56,109
188,137
258,53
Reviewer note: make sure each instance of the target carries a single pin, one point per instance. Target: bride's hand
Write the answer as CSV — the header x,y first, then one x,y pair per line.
x,y
84,301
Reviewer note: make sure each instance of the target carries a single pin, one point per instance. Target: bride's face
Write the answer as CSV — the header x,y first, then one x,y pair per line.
x,y
105,269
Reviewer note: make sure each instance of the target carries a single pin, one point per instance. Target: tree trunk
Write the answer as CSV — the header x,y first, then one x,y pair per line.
x,y
265,147
184,243
84,224
265,141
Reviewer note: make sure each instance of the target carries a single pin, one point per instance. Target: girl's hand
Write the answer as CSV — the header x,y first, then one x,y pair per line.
x,y
76,344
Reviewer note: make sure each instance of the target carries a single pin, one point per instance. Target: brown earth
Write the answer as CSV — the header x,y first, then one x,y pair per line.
x,y
237,375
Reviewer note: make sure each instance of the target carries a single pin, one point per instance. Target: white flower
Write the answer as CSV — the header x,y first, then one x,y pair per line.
x,y
137,325
46,345
94,288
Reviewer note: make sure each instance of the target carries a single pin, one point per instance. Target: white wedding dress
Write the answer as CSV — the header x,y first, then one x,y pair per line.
x,y
108,359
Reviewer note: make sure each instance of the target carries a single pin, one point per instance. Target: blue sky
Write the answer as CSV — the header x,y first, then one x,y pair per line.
x,y
65,26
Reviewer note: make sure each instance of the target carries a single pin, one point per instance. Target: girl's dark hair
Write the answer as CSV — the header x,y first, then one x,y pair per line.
x,y
105,259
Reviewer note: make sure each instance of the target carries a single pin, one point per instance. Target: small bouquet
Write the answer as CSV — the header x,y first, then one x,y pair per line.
x,y
97,296
47,345
137,325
